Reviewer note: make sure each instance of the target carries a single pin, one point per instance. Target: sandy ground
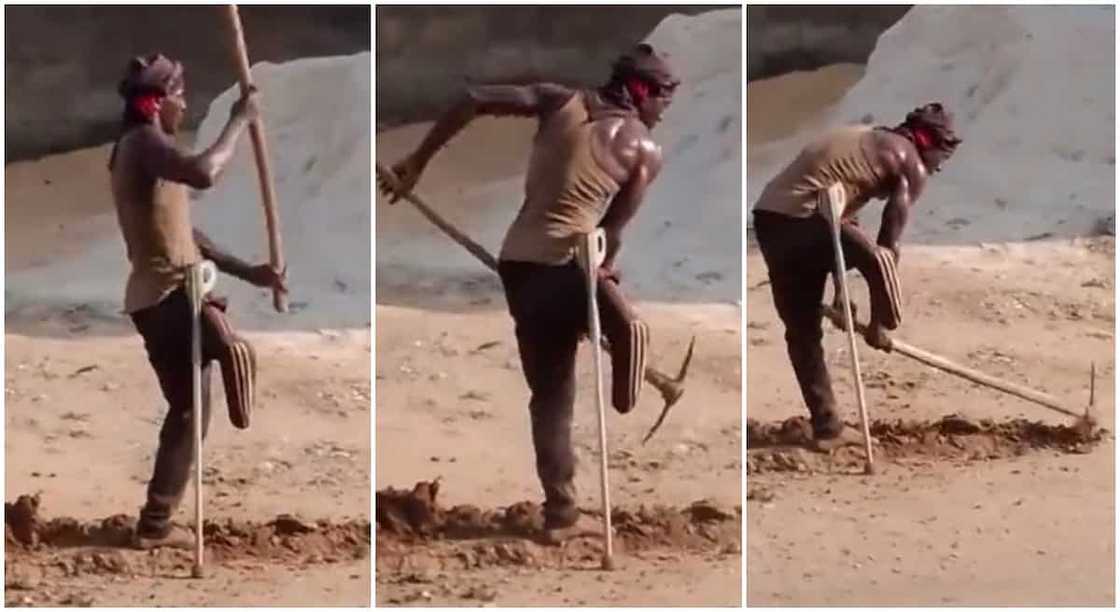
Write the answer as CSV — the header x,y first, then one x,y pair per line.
x,y
84,410
1032,530
449,386
783,105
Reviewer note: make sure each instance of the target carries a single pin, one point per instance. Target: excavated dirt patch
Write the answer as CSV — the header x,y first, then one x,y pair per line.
x,y
37,548
415,533
783,446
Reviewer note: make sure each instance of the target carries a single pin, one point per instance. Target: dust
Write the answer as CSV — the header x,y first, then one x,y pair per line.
x,y
782,447
415,533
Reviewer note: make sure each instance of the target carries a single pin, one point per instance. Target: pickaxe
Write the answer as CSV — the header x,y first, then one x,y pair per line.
x,y
670,388
945,365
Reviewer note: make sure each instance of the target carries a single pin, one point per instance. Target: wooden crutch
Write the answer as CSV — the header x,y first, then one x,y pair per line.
x,y
831,206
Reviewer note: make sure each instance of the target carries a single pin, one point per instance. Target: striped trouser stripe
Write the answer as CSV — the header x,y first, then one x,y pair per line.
x,y
243,374
639,341
892,282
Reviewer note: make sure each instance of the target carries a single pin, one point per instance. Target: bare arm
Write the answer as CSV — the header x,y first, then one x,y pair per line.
x,y
262,275
225,261
163,159
493,100
537,100
902,162
647,165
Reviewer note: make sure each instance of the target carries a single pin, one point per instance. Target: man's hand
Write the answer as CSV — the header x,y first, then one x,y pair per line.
x,y
838,307
264,275
878,338
247,106
407,173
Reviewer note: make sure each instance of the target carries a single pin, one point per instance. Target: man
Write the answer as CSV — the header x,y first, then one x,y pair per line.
x,y
592,161
795,239
150,176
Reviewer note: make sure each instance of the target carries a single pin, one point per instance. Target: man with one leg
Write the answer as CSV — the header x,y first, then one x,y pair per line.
x,y
869,163
592,161
149,177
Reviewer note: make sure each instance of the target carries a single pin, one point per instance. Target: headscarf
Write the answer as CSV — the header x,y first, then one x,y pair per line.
x,y
147,81
636,75
930,127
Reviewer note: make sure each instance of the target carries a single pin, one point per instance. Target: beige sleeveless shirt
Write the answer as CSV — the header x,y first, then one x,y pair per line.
x,y
837,157
154,215
567,192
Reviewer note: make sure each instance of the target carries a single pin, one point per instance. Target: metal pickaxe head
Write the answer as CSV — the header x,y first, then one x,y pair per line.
x,y
671,389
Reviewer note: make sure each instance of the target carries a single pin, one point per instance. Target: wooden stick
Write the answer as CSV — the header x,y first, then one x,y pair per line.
x,y
453,232
592,250
260,153
976,376
195,291
832,206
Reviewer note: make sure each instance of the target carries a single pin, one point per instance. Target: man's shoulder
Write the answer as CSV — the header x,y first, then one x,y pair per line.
x,y
632,133
893,151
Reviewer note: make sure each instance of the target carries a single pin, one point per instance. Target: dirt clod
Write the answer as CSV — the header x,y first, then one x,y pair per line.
x,y
467,536
779,447
68,547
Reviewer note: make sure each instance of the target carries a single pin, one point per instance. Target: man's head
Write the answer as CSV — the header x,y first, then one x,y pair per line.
x,y
645,81
930,128
153,89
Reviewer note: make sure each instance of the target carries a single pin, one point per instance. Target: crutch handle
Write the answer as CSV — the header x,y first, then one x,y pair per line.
x,y
592,251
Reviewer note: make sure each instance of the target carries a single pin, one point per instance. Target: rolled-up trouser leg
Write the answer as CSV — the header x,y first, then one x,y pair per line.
x,y
629,339
235,356
877,266
547,308
166,329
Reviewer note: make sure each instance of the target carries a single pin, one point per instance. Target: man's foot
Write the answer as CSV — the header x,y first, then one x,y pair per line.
x,y
846,437
584,527
174,537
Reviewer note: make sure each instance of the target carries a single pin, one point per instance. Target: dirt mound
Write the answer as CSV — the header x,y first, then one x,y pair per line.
x,y
415,532
774,447
67,546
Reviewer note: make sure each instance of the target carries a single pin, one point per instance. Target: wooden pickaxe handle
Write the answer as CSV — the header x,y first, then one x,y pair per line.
x,y
465,241
946,365
260,153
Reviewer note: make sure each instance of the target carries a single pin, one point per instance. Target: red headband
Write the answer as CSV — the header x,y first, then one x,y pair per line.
x,y
639,90
146,105
922,138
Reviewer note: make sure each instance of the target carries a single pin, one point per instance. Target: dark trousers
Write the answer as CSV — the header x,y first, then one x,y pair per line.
x,y
549,308
799,257
166,329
